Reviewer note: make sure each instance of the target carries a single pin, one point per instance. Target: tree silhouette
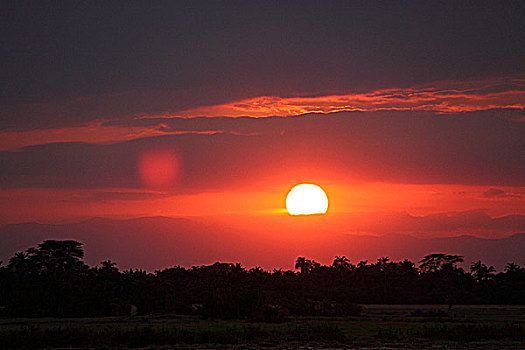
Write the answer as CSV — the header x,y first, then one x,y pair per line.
x,y
444,275
438,261
362,264
53,256
19,262
304,264
108,267
52,280
481,272
342,263
513,268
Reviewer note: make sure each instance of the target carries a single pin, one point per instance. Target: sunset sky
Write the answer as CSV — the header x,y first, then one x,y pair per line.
x,y
401,111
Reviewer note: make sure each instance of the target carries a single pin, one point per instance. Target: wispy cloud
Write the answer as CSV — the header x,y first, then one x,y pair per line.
x,y
499,193
506,96
443,97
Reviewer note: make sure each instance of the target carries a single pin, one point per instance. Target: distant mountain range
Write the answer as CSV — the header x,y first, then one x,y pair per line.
x,y
158,242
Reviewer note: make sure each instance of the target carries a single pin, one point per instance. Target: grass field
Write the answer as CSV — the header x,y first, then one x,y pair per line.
x,y
379,327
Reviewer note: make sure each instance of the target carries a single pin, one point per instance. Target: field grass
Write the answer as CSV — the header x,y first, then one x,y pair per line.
x,y
379,326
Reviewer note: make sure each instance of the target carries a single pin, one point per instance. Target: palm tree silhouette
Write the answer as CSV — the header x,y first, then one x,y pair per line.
x,y
481,272
304,264
19,262
341,263
108,266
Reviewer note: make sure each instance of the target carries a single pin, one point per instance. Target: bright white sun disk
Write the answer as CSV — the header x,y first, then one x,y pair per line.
x,y
306,199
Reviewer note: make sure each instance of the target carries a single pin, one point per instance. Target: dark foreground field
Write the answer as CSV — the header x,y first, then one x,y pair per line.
x,y
379,327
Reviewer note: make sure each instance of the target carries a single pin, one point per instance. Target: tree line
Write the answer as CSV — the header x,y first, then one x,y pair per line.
x,y
53,280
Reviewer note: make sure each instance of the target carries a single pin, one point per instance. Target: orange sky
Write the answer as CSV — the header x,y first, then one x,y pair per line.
x,y
412,118
349,188
238,208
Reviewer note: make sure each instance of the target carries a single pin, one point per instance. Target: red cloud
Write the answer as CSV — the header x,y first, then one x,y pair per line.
x,y
444,97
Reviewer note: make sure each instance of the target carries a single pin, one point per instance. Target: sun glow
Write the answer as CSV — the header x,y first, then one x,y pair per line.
x,y
306,199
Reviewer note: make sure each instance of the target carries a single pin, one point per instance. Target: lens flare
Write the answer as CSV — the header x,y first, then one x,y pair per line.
x,y
158,169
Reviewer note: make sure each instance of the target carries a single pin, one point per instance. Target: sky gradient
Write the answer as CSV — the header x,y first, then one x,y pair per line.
x,y
412,112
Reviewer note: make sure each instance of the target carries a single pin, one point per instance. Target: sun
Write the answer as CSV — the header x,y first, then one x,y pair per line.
x,y
306,199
